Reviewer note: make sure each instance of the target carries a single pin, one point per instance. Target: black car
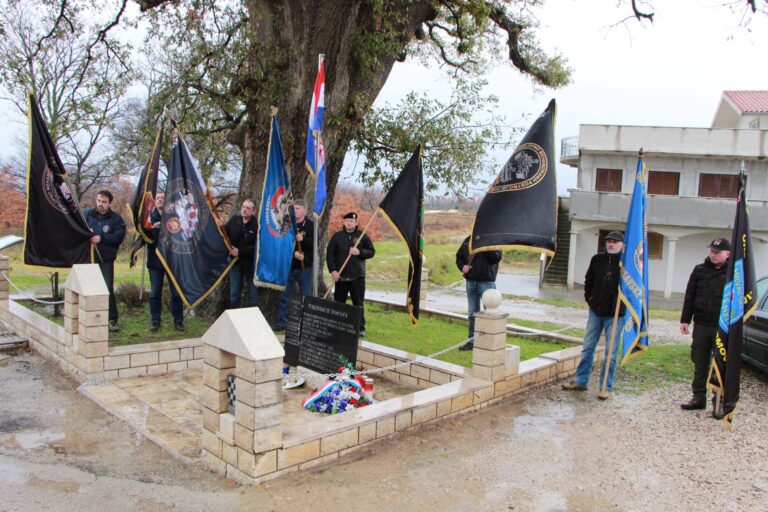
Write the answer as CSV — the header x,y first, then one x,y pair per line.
x,y
755,350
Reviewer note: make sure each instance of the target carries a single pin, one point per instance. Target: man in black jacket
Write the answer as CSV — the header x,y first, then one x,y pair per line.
x,y
157,275
301,264
480,272
601,291
703,297
242,231
351,280
108,233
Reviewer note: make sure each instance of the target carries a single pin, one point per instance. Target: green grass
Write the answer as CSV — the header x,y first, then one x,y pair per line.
x,y
391,261
134,325
548,326
393,328
658,366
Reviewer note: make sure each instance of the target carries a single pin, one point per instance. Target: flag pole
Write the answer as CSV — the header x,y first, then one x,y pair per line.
x,y
315,241
604,385
357,242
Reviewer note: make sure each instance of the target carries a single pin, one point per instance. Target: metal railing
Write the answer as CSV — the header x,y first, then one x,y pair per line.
x,y
569,147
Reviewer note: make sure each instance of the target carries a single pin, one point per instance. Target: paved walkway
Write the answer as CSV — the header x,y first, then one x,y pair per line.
x,y
166,408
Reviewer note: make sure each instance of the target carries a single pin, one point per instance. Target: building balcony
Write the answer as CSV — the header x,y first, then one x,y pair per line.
x,y
666,210
569,150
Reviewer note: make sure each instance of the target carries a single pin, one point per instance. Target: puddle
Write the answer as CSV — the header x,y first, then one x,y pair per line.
x,y
67,487
33,440
546,424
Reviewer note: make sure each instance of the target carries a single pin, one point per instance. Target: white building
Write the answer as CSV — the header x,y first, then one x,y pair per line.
x,y
691,189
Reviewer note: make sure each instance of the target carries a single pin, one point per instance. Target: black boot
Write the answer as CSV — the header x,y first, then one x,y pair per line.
x,y
694,403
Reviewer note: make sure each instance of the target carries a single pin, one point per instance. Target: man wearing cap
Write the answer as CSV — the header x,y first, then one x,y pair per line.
x,y
350,281
703,297
601,291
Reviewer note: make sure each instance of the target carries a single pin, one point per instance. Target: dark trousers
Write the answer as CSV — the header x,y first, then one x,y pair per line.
x,y
108,271
157,277
354,289
302,278
701,355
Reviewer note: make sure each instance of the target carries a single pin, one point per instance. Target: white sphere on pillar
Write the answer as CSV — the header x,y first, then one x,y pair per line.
x,y
491,300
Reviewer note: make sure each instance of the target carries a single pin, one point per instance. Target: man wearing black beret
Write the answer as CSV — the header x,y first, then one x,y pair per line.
x,y
350,281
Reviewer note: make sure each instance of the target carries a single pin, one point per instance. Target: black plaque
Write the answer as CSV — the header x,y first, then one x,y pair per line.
x,y
327,334
293,330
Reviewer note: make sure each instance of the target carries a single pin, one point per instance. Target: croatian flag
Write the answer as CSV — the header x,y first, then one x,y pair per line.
x,y
316,115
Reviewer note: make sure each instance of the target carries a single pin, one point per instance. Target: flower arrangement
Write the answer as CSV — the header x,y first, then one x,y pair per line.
x,y
340,394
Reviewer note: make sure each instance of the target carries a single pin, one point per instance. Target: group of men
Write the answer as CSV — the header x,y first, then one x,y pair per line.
x,y
703,296
348,250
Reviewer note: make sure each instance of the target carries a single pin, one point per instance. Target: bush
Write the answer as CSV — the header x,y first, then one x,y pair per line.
x,y
130,294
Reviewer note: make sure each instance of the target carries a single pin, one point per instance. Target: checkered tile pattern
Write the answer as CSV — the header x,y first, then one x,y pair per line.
x,y
231,394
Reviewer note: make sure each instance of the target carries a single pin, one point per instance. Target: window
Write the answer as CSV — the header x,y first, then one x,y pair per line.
x,y
755,123
608,180
718,185
663,183
655,246
655,243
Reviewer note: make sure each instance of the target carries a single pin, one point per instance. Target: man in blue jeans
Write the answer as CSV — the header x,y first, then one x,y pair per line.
x,y
301,265
480,271
242,231
157,276
601,291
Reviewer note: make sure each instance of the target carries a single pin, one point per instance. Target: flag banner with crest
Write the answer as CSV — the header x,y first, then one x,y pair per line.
x,y
190,244
274,245
143,200
55,231
320,192
316,119
403,207
633,286
738,304
519,211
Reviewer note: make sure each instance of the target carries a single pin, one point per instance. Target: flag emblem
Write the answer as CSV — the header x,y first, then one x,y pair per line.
x,y
185,222
54,199
279,221
527,167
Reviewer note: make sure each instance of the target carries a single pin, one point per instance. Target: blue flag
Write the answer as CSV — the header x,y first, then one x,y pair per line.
x,y
274,246
633,287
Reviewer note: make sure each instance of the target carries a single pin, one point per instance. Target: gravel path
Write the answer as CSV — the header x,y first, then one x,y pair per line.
x,y
545,450
663,332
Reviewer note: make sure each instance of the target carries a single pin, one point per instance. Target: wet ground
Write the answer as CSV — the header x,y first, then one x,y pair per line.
x,y
545,450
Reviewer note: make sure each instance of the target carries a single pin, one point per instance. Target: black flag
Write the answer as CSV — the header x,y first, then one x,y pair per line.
x,y
738,304
519,211
55,233
403,207
143,200
190,244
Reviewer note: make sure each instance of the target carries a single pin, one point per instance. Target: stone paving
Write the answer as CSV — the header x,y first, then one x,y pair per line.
x,y
166,408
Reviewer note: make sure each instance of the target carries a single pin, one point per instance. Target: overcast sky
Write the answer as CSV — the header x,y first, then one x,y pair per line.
x,y
669,73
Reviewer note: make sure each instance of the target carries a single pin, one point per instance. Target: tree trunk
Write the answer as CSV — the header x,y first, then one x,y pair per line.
x,y
287,37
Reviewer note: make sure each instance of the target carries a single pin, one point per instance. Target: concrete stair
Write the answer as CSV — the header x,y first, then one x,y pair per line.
x,y
557,271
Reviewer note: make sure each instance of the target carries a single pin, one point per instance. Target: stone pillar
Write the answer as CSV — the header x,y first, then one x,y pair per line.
x,y
671,247
572,259
489,355
242,446
5,286
86,303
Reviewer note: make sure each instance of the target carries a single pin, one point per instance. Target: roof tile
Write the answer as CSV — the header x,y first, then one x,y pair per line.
x,y
753,102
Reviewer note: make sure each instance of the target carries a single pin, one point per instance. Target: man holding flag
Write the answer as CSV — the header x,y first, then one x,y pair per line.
x,y
601,290
703,297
